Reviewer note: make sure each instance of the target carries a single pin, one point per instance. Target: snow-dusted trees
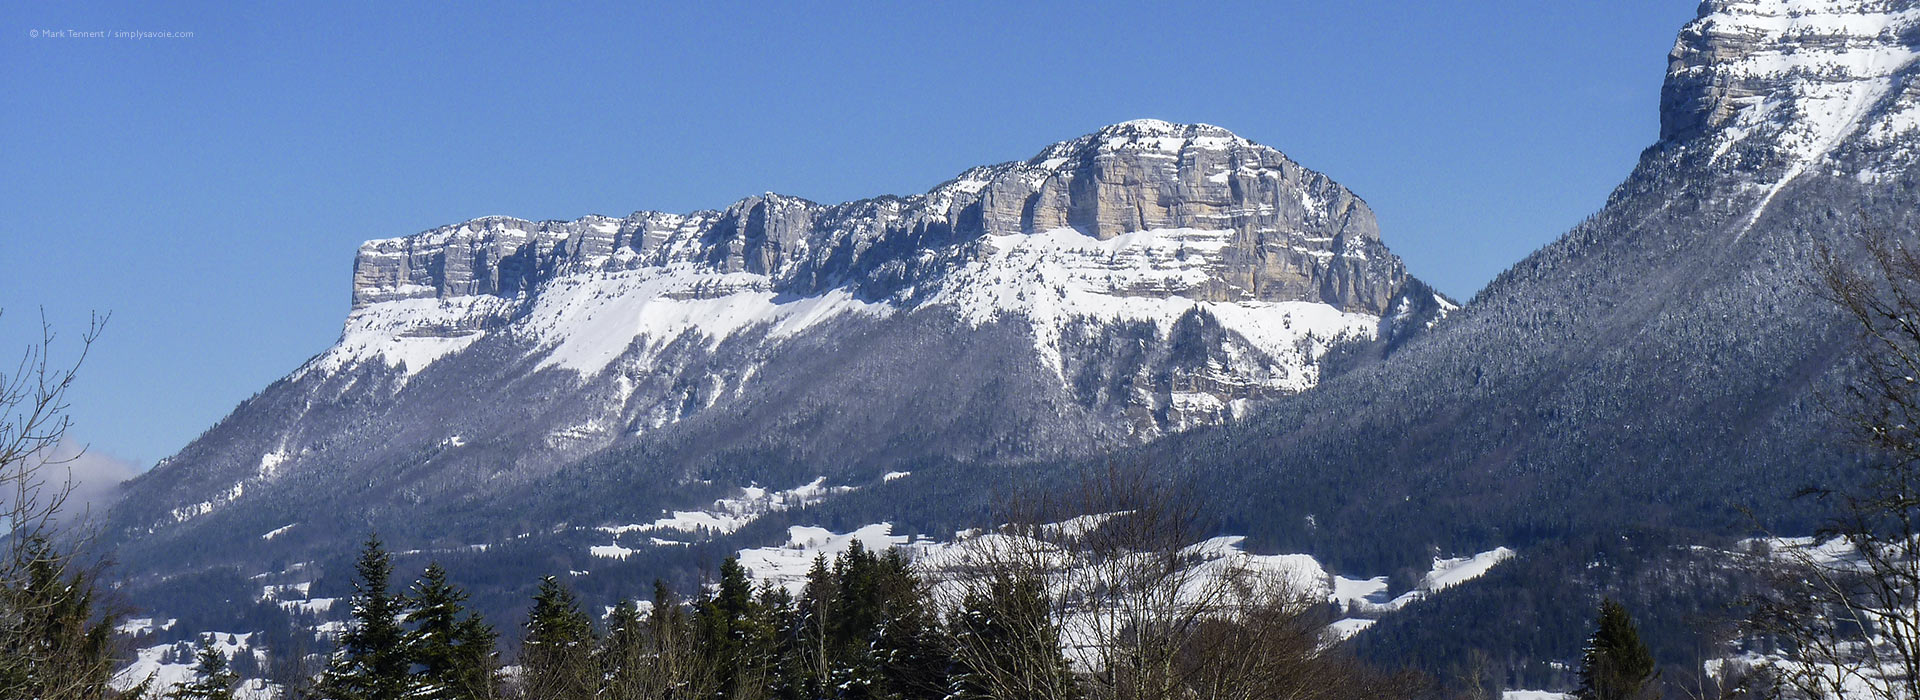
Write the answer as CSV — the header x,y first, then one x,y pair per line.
x,y
372,662
451,650
678,669
214,678
557,656
1844,606
737,635
1125,601
419,645
1006,644
863,628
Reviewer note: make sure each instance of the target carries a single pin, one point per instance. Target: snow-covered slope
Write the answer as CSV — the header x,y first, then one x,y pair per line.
x,y
1212,560
1794,84
1661,367
1141,223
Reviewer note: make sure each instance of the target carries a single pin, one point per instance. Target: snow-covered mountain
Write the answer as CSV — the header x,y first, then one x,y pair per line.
x,y
1783,87
526,397
1130,283
1665,367
1141,222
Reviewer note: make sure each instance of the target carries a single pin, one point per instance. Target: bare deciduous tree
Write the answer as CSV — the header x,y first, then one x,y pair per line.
x,y
1150,608
1844,606
54,639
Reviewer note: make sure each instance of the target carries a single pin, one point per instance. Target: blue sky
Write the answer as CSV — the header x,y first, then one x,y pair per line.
x,y
210,191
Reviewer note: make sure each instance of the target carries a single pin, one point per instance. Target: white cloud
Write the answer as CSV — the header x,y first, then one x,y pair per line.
x,y
96,477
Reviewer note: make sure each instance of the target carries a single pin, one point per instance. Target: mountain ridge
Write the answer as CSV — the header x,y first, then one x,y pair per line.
x,y
1650,378
1138,280
1661,365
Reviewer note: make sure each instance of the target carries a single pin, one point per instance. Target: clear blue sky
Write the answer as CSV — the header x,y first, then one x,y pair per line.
x,y
210,191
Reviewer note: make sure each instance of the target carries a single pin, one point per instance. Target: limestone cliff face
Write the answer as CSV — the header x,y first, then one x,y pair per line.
x,y
1295,235
1145,279
1774,86
1298,236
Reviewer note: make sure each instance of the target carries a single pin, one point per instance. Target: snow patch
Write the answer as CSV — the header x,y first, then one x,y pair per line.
x,y
787,565
150,663
407,334
278,531
1061,279
1346,628
725,516
142,625
185,513
270,463
588,320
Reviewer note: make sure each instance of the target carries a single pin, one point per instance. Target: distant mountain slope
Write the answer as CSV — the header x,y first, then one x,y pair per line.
x,y
1660,364
503,376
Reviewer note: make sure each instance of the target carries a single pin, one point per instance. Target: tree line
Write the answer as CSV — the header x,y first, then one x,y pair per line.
x,y
862,628
1047,607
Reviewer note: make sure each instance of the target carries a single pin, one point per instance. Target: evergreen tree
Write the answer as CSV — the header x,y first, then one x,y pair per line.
x,y
813,617
213,678
735,638
624,662
908,645
1616,666
861,629
373,661
780,615
884,640
452,654
478,674
557,659
1006,644
681,668
860,601
51,644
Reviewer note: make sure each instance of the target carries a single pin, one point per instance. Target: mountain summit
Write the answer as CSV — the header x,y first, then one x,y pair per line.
x,y
1663,363
1775,84
1140,280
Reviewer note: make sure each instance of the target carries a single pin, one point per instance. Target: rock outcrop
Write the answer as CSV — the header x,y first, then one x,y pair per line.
x,y
1782,83
1296,235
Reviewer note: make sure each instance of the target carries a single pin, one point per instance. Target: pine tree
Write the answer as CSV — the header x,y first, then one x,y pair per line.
x,y
885,640
1007,646
860,602
1617,665
557,658
624,662
813,617
681,668
908,645
787,671
452,653
734,636
213,678
52,641
373,661
478,674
